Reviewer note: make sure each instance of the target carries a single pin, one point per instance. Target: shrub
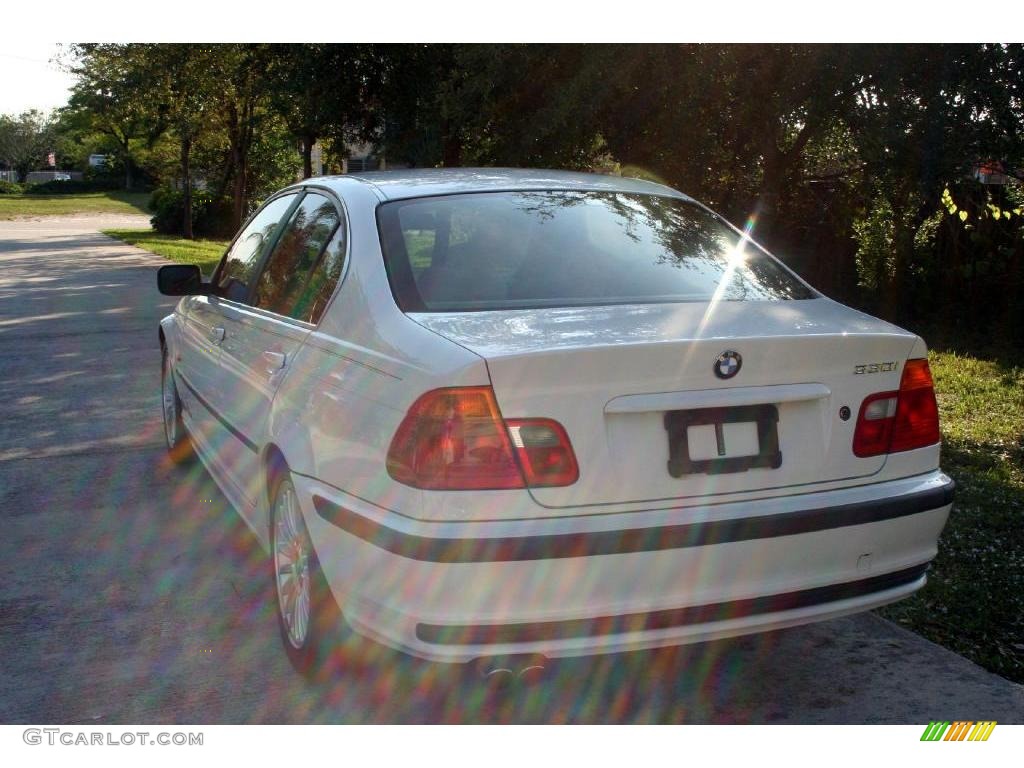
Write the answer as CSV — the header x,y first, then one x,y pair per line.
x,y
72,187
104,173
211,216
11,188
113,174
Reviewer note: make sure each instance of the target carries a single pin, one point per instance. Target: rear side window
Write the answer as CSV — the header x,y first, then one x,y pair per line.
x,y
239,266
293,277
313,299
530,249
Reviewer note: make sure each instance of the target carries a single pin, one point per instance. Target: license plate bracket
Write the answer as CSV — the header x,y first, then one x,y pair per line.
x,y
678,422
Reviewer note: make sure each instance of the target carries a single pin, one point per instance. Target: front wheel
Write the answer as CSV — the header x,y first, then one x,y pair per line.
x,y
179,446
312,628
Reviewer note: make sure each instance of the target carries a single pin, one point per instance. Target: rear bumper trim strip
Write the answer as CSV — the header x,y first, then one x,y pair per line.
x,y
549,631
548,546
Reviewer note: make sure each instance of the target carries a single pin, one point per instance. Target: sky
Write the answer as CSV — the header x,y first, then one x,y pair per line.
x,y
28,79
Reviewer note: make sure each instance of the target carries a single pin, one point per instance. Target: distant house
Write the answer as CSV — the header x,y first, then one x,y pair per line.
x,y
360,158
991,172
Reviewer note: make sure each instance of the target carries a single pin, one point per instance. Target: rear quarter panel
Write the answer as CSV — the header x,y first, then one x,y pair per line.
x,y
355,376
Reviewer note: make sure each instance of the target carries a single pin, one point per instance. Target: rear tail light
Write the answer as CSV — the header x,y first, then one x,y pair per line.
x,y
455,439
890,422
544,452
917,414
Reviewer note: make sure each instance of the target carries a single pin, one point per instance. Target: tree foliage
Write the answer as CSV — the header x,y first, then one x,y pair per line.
x,y
319,91
846,159
25,141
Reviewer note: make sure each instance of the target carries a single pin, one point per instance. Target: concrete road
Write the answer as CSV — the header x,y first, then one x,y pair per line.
x,y
130,593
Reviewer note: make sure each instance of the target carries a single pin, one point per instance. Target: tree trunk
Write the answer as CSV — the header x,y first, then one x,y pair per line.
x,y
451,146
238,195
775,171
1012,307
122,142
307,155
903,254
951,273
228,176
186,175
239,137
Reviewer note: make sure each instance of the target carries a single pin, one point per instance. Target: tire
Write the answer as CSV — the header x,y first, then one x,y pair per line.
x,y
313,631
179,445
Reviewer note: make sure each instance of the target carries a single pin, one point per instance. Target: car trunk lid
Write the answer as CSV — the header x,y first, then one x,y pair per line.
x,y
630,382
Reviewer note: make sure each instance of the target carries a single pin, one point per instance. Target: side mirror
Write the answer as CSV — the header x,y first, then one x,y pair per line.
x,y
181,280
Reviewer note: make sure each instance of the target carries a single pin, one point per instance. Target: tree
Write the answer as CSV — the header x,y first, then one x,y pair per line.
x,y
112,96
240,69
841,154
926,118
319,91
185,93
409,92
25,141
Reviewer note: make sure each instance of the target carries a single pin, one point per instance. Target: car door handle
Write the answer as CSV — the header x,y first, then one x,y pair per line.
x,y
277,360
217,335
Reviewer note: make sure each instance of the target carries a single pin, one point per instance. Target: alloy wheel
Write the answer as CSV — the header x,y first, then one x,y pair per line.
x,y
170,403
292,550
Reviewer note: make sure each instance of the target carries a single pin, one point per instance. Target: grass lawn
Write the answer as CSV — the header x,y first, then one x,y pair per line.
x,y
204,253
13,206
974,600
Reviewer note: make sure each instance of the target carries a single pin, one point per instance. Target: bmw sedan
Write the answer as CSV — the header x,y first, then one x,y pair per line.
x,y
490,413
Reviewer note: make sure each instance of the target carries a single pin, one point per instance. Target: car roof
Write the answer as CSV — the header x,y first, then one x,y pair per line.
x,y
423,182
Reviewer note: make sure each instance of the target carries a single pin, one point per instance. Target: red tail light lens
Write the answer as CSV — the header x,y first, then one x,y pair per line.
x,y
917,414
890,422
874,424
455,439
544,451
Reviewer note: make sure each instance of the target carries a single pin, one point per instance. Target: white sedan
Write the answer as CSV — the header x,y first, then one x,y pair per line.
x,y
498,413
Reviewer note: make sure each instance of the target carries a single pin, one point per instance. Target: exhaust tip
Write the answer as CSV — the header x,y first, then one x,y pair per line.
x,y
499,678
503,671
533,673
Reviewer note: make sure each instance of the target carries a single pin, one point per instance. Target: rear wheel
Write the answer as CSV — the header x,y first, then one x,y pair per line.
x,y
312,628
179,446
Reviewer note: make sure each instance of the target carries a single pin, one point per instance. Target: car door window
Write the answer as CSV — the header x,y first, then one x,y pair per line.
x,y
312,301
302,265
239,266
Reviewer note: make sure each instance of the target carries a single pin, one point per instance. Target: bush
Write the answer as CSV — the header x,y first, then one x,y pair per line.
x,y
211,216
104,174
112,176
11,188
72,187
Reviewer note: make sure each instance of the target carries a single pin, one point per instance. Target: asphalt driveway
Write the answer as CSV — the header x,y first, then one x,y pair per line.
x,y
130,593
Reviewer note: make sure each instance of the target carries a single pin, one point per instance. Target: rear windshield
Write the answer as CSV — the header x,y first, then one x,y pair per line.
x,y
524,250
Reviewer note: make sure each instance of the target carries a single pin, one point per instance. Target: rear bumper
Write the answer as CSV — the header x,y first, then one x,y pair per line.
x,y
600,583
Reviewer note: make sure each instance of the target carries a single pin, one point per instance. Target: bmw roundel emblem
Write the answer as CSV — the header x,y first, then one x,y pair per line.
x,y
728,364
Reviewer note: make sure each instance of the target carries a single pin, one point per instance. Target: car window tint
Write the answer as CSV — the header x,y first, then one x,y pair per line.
x,y
419,244
313,299
240,264
519,250
286,284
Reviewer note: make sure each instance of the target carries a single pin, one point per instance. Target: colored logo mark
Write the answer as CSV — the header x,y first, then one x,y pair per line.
x,y
960,730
